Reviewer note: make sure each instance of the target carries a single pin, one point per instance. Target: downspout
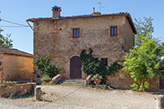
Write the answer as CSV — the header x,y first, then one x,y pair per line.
x,y
30,25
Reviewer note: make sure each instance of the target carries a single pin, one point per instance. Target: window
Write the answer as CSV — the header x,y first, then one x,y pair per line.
x,y
76,33
113,31
105,60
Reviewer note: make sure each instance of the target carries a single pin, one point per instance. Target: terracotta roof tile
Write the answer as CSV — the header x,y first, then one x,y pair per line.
x,y
12,51
88,16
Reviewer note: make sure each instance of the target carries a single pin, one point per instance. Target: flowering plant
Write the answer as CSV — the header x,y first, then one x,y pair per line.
x,y
96,77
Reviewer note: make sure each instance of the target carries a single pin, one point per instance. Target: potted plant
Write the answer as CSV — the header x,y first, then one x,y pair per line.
x,y
97,79
45,78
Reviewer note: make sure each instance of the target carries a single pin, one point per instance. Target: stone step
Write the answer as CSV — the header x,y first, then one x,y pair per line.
x,y
72,81
161,90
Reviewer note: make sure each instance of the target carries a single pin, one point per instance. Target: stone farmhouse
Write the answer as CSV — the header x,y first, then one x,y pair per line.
x,y
63,38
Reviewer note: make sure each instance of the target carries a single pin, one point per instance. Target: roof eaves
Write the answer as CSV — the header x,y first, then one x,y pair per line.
x,y
19,54
89,16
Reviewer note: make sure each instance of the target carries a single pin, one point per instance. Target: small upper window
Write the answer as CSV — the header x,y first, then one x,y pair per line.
x,y
76,33
113,31
105,60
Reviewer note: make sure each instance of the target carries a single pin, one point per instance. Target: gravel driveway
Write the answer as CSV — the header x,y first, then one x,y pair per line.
x,y
70,97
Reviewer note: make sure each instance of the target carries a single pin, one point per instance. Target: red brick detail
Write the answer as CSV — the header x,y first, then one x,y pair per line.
x,y
121,31
107,31
75,40
1,68
25,86
55,34
109,39
1,75
70,33
36,34
47,36
81,32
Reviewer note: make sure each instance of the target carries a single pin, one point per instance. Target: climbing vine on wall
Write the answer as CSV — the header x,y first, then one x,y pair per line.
x,y
91,66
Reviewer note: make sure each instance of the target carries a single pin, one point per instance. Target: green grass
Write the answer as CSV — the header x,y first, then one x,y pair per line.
x,y
44,77
47,83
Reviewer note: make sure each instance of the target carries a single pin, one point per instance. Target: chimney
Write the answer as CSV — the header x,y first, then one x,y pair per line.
x,y
95,13
56,11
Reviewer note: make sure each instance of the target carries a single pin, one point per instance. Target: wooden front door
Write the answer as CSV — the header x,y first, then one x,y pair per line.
x,y
161,81
75,67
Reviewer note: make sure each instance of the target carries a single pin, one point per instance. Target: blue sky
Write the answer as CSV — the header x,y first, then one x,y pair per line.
x,y
19,11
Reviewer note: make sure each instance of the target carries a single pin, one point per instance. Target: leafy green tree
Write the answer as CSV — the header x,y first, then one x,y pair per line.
x,y
6,41
143,26
144,62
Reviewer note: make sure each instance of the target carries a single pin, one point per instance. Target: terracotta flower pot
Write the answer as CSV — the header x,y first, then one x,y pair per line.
x,y
47,80
97,82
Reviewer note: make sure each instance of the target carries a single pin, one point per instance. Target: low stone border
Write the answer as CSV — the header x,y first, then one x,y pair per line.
x,y
7,90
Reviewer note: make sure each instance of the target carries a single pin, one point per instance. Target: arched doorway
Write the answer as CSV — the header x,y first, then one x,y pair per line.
x,y
75,67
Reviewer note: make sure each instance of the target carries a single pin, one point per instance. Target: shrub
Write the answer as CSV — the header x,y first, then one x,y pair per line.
x,y
44,65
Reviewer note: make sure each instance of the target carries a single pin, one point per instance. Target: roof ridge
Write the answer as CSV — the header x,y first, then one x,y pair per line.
x,y
81,15
88,16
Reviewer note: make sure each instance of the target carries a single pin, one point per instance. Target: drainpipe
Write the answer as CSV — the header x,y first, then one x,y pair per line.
x,y
30,25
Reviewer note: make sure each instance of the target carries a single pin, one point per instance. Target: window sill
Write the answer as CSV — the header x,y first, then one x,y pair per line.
x,y
76,37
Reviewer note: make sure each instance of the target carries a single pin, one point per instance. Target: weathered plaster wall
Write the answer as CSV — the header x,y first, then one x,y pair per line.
x,y
17,67
54,38
1,68
123,80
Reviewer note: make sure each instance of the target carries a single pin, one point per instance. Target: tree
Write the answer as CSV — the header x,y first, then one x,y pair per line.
x,y
6,41
143,27
144,62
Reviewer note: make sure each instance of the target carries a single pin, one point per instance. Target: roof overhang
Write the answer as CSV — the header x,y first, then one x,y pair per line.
x,y
127,15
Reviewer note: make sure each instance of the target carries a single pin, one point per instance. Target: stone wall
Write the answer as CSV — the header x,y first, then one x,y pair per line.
x,y
55,38
7,89
123,80
129,36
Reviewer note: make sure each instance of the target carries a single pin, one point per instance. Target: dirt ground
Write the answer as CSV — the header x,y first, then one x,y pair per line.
x,y
75,97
